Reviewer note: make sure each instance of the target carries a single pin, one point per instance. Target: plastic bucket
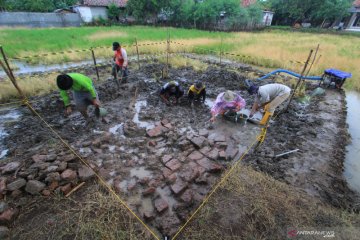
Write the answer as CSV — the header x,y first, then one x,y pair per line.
x,y
100,112
241,118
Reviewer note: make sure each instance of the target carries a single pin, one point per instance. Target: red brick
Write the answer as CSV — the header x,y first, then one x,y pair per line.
x,y
213,154
178,186
222,155
68,175
148,191
210,166
66,188
195,155
8,215
166,158
173,165
161,205
187,196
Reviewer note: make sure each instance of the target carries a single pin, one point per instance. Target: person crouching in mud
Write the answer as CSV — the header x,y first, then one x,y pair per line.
x,y
83,89
197,92
268,97
171,92
227,103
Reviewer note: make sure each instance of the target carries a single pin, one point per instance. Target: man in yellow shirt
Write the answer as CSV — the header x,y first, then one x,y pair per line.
x,y
197,92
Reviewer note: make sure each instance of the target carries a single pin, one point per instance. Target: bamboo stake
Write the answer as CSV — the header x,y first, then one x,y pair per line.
x,y
96,68
307,74
6,61
137,52
302,74
74,189
10,73
221,48
317,49
13,80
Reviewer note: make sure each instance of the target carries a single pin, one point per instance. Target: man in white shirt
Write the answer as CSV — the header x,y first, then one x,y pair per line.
x,y
269,97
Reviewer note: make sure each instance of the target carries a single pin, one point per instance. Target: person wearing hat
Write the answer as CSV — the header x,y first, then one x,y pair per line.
x,y
83,89
197,92
120,64
269,97
169,90
227,101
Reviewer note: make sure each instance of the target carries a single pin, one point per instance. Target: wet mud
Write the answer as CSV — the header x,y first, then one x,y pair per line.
x,y
164,160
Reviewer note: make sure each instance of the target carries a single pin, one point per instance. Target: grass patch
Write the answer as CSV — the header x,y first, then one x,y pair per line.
x,y
181,62
269,48
252,205
87,214
29,85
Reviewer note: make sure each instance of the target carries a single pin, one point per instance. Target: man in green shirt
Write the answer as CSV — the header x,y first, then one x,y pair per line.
x,y
83,91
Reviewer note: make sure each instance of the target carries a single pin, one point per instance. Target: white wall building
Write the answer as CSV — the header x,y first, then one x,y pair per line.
x,y
90,10
354,22
267,18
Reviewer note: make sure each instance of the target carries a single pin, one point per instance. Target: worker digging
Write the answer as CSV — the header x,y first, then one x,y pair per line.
x,y
83,90
120,65
171,92
268,98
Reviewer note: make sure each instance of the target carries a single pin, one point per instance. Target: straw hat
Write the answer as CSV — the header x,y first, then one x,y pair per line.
x,y
229,96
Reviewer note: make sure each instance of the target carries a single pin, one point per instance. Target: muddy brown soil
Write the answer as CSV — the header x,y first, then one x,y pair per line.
x,y
319,131
164,160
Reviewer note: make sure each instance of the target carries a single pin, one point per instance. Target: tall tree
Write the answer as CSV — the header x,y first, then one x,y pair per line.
x,y
309,10
37,5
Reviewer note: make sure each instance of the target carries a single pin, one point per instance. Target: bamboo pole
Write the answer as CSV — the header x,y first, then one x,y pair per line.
x,y
298,82
307,74
13,80
167,50
221,43
94,59
6,61
137,52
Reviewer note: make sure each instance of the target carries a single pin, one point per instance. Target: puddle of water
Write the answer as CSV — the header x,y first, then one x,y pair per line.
x,y
117,129
123,185
85,150
352,159
147,205
257,115
3,153
141,124
209,102
112,148
23,68
98,132
166,194
11,116
140,172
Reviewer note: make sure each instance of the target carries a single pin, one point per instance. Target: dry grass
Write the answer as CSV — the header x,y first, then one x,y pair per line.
x,y
342,52
29,85
180,62
251,205
88,214
111,35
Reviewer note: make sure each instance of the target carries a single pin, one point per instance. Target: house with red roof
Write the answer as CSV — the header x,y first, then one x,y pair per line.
x,y
354,21
90,10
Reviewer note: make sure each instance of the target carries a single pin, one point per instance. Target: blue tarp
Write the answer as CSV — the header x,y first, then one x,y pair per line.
x,y
338,73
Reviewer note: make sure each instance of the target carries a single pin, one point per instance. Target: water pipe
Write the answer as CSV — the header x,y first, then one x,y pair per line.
x,y
318,78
